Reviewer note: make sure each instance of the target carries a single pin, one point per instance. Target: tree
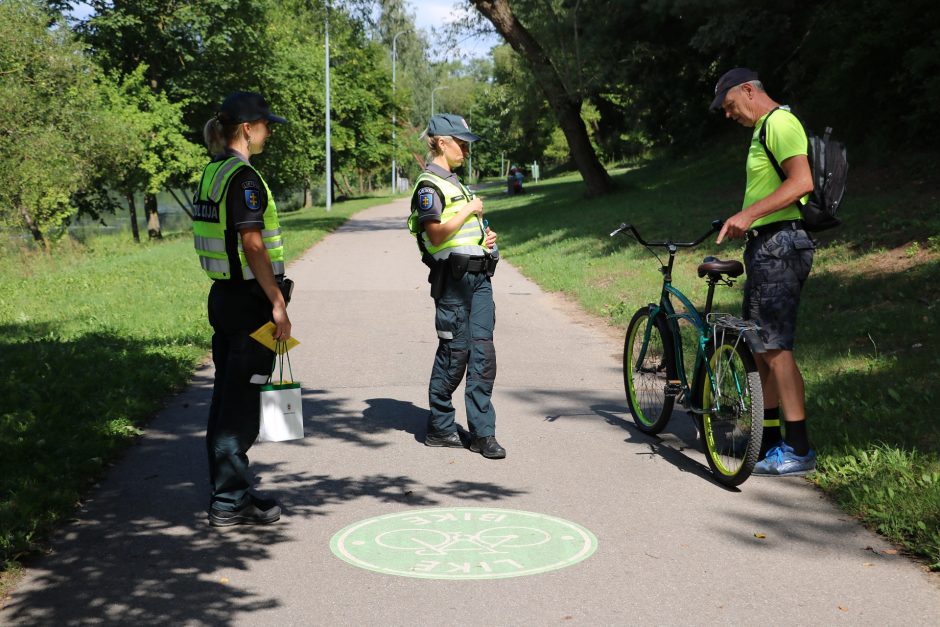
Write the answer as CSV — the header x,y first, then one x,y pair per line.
x,y
361,104
510,113
156,151
182,51
292,80
51,121
565,104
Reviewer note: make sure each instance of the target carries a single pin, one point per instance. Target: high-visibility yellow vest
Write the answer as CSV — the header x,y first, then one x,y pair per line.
x,y
468,239
210,223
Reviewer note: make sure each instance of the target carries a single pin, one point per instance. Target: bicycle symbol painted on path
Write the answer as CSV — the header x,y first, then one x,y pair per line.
x,y
463,543
498,540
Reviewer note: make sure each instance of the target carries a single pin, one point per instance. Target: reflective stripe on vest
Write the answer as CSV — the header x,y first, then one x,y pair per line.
x,y
276,266
210,222
468,239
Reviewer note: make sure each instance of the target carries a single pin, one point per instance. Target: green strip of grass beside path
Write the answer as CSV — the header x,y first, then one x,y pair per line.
x,y
92,339
868,339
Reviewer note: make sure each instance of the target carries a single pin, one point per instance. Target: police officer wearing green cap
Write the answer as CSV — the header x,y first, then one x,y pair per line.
x,y
447,221
238,241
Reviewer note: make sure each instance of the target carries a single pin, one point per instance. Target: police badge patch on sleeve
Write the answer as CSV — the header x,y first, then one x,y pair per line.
x,y
252,199
425,198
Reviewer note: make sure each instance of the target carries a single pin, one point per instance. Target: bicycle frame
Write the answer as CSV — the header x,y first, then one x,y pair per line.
x,y
682,387
703,333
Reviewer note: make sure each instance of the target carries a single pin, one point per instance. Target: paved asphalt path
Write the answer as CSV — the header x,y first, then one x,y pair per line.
x,y
674,548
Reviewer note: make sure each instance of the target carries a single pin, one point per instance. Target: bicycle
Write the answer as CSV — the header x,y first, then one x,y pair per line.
x,y
725,397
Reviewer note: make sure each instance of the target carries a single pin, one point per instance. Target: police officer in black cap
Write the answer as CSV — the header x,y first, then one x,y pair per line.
x,y
458,247
238,239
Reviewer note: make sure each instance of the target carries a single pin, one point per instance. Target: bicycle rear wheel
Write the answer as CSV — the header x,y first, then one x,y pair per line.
x,y
733,400
648,367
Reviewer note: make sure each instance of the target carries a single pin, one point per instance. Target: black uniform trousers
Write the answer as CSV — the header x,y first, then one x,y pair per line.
x,y
236,309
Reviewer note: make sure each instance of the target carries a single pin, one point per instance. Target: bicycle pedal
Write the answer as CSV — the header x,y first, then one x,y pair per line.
x,y
673,388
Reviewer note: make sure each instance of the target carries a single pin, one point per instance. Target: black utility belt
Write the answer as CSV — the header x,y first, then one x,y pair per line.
x,y
473,265
775,227
461,264
285,285
454,267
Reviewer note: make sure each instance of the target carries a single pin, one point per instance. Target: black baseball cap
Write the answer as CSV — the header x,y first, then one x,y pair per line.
x,y
452,125
731,78
246,106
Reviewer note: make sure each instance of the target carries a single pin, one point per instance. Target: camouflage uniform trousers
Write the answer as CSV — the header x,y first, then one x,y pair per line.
x,y
777,265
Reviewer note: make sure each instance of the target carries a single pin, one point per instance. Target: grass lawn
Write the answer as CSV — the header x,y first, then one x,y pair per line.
x,y
92,338
868,336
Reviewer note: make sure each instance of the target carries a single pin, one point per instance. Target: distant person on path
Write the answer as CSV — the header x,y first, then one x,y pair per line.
x,y
447,220
778,257
514,181
238,240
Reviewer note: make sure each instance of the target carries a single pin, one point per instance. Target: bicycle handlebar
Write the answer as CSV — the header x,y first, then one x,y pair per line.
x,y
716,226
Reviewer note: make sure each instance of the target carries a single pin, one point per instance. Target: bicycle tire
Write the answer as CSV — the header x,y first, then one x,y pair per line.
x,y
732,434
645,386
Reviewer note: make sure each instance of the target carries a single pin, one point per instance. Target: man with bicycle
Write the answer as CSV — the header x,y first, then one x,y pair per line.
x,y
778,257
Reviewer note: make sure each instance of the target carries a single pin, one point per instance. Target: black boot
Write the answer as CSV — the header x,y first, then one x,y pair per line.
x,y
488,447
451,440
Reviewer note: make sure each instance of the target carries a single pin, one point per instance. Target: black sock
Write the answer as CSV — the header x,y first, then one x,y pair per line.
x,y
771,430
797,438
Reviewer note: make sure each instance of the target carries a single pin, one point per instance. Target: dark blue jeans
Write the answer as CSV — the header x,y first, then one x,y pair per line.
x,y
465,317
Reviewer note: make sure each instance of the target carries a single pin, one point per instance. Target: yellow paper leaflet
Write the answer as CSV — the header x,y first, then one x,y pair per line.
x,y
265,335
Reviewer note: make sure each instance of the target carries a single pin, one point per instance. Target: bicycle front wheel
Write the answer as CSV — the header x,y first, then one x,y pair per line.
x,y
648,367
733,400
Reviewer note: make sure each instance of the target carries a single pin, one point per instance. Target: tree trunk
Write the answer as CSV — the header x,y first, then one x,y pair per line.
x,y
567,107
345,186
308,195
132,207
34,230
153,218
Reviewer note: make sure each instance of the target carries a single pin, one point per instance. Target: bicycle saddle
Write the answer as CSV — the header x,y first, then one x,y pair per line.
x,y
717,267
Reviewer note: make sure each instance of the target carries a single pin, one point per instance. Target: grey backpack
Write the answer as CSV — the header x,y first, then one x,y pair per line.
x,y
830,169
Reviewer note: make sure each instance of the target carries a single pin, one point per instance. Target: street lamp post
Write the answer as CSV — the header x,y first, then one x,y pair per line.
x,y
432,96
329,172
470,156
394,60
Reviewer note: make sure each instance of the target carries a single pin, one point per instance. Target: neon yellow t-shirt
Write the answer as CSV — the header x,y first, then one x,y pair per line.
x,y
785,138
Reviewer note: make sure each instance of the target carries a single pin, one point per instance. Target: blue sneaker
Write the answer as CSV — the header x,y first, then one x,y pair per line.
x,y
782,461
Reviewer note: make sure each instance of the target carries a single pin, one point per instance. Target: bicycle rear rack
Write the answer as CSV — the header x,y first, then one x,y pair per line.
x,y
746,330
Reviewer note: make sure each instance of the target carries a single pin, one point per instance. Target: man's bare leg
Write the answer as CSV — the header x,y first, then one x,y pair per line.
x,y
783,383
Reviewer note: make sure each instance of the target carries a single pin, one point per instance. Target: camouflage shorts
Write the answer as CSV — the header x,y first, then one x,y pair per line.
x,y
777,266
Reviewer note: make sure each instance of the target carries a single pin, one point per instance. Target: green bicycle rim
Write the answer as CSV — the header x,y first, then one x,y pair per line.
x,y
707,424
638,411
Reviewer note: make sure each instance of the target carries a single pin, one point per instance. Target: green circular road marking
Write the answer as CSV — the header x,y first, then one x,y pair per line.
x,y
463,543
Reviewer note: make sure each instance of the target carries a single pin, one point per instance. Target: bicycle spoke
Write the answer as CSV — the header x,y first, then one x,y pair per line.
x,y
647,369
732,398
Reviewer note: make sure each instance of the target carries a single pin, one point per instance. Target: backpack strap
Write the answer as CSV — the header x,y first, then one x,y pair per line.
x,y
762,138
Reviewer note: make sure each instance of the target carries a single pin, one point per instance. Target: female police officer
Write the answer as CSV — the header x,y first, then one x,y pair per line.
x,y
238,240
448,222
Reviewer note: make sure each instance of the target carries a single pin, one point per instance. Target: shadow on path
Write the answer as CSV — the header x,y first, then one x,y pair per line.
x,y
327,417
142,551
669,445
